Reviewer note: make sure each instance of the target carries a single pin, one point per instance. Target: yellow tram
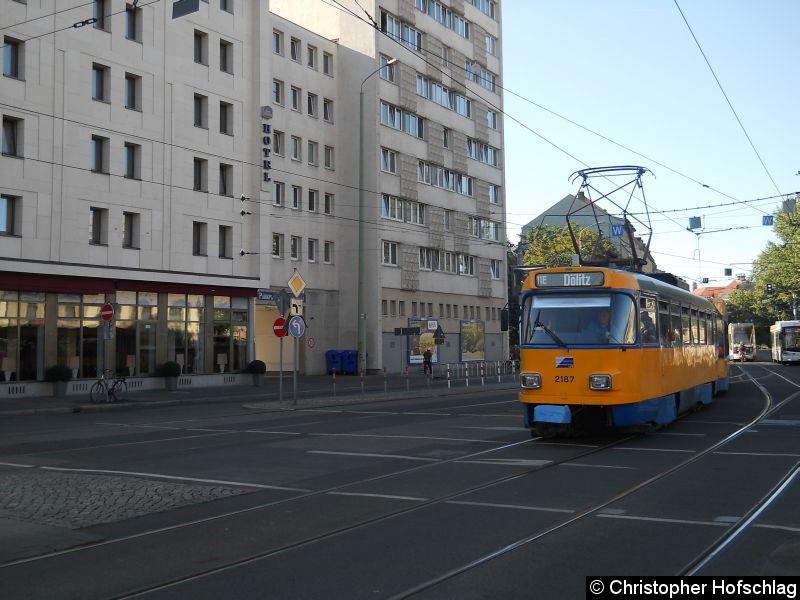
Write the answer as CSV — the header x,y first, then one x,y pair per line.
x,y
603,348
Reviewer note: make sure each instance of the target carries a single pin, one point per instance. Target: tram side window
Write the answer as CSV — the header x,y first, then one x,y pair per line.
x,y
686,325
675,324
647,321
663,324
695,326
703,328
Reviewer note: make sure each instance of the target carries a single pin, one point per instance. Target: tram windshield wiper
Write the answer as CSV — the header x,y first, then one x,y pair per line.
x,y
537,324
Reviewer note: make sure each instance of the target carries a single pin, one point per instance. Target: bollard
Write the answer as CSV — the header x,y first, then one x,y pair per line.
x,y
385,382
407,383
362,381
483,382
334,381
466,374
448,376
497,370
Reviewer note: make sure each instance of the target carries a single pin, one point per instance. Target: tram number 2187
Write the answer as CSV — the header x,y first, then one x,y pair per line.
x,y
565,378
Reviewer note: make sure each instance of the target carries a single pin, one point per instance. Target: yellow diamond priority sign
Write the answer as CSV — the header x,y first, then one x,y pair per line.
x,y
296,284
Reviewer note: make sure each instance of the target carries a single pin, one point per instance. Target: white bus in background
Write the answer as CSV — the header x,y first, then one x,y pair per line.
x,y
785,339
741,333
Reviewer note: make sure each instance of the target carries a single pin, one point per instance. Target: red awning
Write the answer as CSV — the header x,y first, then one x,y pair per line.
x,y
34,282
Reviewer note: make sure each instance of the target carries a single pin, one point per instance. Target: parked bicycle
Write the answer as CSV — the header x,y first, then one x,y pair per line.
x,y
110,387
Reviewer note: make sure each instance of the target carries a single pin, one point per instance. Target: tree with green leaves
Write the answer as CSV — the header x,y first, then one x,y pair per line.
x,y
551,246
778,267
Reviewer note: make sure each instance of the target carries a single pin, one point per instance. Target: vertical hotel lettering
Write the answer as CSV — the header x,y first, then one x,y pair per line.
x,y
266,143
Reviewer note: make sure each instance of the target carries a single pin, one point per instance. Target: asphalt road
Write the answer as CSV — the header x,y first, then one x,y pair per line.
x,y
441,497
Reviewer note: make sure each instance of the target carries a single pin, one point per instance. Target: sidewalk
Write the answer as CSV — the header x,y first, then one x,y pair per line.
x,y
314,390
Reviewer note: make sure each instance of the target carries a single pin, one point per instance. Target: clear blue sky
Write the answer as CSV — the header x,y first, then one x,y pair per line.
x,y
631,71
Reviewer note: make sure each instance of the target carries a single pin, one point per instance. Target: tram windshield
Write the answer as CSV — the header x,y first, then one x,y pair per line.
x,y
571,319
741,334
791,339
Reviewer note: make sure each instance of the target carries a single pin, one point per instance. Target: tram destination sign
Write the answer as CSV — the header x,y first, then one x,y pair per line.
x,y
585,279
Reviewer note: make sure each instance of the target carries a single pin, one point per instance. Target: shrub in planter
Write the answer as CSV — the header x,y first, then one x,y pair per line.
x,y
59,375
257,368
170,371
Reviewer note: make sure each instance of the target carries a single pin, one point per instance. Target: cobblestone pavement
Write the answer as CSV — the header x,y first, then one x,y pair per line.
x,y
77,500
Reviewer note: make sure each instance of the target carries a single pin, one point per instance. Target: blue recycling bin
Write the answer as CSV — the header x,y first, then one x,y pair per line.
x,y
349,361
333,360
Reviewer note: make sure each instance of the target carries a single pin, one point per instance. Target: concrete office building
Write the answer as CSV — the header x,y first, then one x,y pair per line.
x,y
434,213
173,167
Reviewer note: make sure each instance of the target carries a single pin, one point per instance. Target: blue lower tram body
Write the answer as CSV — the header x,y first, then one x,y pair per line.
x,y
655,411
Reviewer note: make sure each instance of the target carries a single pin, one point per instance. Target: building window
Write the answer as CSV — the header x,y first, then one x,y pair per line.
x,y
13,58
277,245
484,153
100,14
277,91
200,47
294,49
133,22
402,120
328,207
294,247
329,157
401,308
445,137
277,193
312,153
445,56
327,253
225,179
494,194
327,63
100,154
130,230
100,82
390,253
297,195
448,220
296,148
200,175
311,107
312,250
133,91
491,45
398,209
225,241
311,57
132,156
226,5
201,111
199,240
491,119
277,41
277,143
312,200
98,226
388,161
225,57
496,267
327,110
226,118
9,211
295,98
12,136
387,70
384,309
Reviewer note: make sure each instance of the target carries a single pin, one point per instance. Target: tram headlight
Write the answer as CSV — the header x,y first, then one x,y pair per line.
x,y
531,380
599,382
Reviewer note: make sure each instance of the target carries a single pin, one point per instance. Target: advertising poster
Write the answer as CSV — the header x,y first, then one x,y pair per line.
x,y
472,341
419,343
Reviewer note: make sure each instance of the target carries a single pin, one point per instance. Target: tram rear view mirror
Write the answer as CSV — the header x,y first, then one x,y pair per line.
x,y
504,319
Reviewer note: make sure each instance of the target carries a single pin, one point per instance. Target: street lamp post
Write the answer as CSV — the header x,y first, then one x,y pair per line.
x,y
362,213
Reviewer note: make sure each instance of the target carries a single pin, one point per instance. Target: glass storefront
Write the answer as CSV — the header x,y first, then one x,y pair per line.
x,y
21,336
185,331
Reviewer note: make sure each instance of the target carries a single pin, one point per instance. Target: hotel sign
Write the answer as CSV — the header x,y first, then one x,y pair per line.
x,y
266,144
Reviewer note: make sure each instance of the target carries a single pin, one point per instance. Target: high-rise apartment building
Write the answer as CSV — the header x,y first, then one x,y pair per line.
x,y
174,167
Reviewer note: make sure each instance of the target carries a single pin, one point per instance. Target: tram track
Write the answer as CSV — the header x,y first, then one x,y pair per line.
x,y
697,563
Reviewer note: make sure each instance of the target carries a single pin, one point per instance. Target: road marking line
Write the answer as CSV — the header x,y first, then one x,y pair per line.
x,y
215,430
5,464
676,433
428,414
781,527
595,466
403,437
272,432
657,450
177,478
373,455
520,429
759,454
662,520
514,506
384,496
511,462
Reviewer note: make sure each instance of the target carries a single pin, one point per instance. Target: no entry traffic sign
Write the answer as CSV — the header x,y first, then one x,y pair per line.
x,y
107,312
279,327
